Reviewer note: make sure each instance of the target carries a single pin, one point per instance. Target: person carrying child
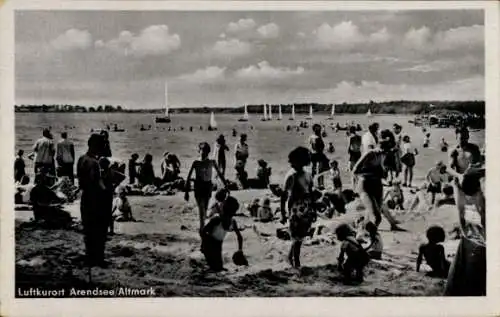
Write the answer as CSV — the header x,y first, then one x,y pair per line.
x,y
433,253
215,231
357,257
203,181
297,201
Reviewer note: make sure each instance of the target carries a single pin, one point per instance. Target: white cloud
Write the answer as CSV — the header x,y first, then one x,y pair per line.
x,y
418,38
265,71
243,25
232,47
381,36
209,74
153,40
463,89
72,39
222,35
301,34
269,31
434,66
471,36
343,35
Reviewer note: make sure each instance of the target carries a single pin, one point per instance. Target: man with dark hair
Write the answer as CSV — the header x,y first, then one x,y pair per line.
x,y
94,219
65,156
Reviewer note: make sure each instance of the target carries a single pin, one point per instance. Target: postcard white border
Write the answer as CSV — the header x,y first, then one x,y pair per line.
x,y
411,306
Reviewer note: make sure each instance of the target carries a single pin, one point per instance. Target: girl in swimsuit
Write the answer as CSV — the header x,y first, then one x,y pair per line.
x,y
203,181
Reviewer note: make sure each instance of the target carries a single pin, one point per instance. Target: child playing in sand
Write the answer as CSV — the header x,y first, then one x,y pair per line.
x,y
433,253
357,257
253,208
394,197
297,200
376,245
121,211
203,181
265,213
214,232
334,174
408,160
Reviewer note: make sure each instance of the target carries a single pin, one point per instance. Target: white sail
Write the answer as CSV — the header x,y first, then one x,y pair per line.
x,y
369,113
265,112
213,123
333,111
293,113
245,115
280,116
270,112
166,99
310,116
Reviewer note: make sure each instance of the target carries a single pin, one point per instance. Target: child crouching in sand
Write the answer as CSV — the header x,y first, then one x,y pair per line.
x,y
357,257
214,233
433,253
121,211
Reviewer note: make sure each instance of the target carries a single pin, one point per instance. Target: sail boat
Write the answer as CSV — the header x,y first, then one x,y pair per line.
x,y
213,124
332,114
280,116
165,118
270,117
265,114
245,116
292,116
310,116
369,113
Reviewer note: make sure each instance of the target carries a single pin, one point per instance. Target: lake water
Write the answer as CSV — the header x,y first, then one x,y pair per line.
x,y
267,140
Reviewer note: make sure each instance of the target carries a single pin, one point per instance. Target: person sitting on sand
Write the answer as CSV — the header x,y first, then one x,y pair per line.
x,y
436,177
419,200
170,168
296,201
121,210
203,182
65,189
265,213
394,197
376,246
19,167
42,198
146,175
357,257
408,160
331,148
433,253
215,231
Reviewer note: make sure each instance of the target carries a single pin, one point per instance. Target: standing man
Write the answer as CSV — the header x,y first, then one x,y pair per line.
x,y
317,148
397,129
44,153
94,220
241,154
65,156
369,140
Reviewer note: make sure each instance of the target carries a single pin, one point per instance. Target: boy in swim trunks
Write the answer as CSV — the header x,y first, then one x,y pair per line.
x,y
436,176
215,231
203,181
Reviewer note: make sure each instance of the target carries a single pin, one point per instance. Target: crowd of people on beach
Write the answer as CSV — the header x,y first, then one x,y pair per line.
x,y
375,159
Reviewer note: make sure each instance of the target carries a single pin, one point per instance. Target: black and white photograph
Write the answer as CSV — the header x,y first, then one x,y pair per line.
x,y
249,153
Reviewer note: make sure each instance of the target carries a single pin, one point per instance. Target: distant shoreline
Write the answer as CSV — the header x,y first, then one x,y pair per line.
x,y
390,107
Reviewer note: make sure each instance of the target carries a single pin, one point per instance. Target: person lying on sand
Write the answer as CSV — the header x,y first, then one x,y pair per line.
x,y
215,231
357,257
433,253
203,182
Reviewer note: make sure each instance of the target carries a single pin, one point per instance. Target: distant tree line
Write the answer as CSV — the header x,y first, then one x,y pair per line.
x,y
389,107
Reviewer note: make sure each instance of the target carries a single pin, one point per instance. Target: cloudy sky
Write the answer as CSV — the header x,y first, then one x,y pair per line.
x,y
232,58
